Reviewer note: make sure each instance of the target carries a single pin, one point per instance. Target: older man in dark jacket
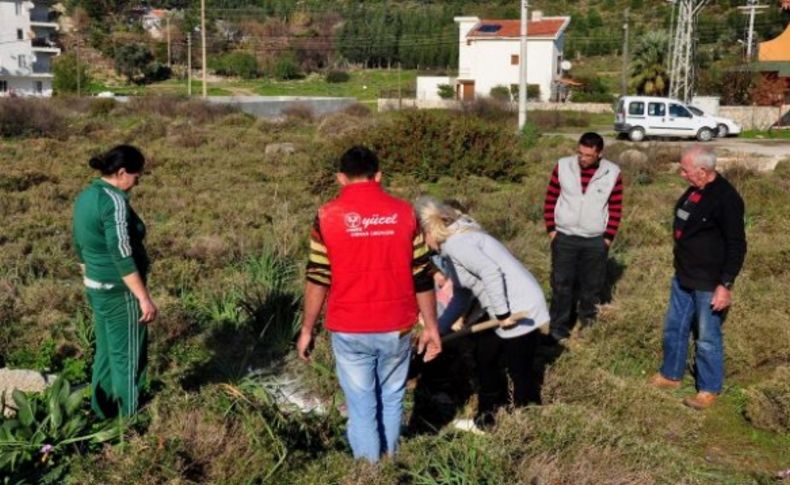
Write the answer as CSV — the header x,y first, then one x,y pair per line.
x,y
710,247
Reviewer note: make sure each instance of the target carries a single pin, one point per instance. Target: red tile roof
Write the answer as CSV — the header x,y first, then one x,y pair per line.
x,y
548,27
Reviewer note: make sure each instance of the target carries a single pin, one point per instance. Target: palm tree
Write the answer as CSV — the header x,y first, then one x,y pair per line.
x,y
648,69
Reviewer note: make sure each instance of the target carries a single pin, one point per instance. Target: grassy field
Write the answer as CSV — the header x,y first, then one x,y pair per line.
x,y
228,230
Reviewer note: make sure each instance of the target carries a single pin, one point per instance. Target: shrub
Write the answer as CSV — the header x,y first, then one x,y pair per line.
x,y
156,71
131,60
299,111
238,63
530,134
431,145
500,93
102,106
286,68
65,72
593,90
30,117
357,109
446,91
533,91
769,402
337,77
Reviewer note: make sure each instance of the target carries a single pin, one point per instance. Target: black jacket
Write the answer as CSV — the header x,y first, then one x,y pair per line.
x,y
712,246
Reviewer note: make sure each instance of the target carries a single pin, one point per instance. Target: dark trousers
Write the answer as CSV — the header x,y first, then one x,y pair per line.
x,y
494,355
578,272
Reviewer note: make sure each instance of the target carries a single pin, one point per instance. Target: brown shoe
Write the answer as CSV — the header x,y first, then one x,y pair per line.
x,y
660,382
703,400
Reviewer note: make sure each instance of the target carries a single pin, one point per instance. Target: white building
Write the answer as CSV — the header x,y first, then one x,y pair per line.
x,y
27,47
488,56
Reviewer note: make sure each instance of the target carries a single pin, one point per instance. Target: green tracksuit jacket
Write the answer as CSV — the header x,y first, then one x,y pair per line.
x,y
108,238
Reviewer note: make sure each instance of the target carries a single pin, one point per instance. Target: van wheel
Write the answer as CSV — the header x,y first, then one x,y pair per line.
x,y
636,134
705,134
722,131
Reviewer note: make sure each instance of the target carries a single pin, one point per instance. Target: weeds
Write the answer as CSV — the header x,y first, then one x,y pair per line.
x,y
227,236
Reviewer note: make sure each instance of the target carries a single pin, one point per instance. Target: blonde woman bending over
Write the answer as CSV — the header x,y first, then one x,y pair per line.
x,y
478,262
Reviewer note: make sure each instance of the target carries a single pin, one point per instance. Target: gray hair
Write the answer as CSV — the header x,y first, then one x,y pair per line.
x,y
700,157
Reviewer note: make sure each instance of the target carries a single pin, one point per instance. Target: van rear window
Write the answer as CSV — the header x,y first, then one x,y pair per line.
x,y
636,108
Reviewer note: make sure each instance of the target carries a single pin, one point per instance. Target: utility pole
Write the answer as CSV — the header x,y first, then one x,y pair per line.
x,y
189,63
169,51
522,64
79,74
203,40
624,81
681,73
752,7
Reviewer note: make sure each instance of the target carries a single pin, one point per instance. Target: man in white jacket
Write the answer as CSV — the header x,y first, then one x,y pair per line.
x,y
582,212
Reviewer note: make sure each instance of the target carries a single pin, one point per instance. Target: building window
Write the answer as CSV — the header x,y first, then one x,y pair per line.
x,y
18,7
3,86
22,62
19,34
514,60
38,87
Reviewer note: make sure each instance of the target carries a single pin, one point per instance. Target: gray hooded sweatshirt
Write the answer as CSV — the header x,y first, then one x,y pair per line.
x,y
481,264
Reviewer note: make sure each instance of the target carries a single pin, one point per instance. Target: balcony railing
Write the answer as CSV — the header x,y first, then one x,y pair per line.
x,y
44,42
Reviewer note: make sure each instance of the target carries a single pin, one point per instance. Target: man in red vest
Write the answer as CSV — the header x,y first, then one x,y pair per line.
x,y
369,260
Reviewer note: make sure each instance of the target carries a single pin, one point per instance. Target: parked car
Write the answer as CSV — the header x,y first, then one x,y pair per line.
x,y
725,126
642,116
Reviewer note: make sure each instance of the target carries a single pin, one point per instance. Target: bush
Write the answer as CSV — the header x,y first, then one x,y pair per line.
x,y
131,61
533,92
337,77
239,63
65,72
593,90
286,68
446,91
500,93
156,71
530,134
431,145
769,402
30,117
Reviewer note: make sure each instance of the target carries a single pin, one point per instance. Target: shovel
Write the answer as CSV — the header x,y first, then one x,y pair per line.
x,y
480,327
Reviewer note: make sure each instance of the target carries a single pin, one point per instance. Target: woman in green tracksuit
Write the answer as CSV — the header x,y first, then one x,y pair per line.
x,y
108,238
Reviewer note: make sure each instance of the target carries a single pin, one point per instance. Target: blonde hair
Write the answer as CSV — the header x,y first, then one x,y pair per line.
x,y
438,219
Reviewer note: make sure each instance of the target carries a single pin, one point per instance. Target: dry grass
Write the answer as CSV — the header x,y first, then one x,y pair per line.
x,y
212,204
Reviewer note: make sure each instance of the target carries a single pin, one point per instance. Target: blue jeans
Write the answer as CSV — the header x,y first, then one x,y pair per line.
x,y
690,310
372,370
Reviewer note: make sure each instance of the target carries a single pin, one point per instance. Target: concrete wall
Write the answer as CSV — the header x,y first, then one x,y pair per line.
x,y
428,86
754,117
750,117
388,104
276,106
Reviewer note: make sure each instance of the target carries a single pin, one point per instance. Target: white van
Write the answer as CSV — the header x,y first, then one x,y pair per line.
x,y
641,116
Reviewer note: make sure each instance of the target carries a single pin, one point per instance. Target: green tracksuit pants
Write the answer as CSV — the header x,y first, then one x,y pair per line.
x,y
119,365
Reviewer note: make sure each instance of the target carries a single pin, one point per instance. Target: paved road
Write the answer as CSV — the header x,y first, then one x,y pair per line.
x,y
754,153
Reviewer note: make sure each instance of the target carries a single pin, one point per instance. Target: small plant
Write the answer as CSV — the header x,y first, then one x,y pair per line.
x,y
530,134
287,68
239,63
500,93
47,428
337,77
446,91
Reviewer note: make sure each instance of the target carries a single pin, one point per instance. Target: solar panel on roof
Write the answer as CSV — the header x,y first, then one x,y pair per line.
x,y
489,28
